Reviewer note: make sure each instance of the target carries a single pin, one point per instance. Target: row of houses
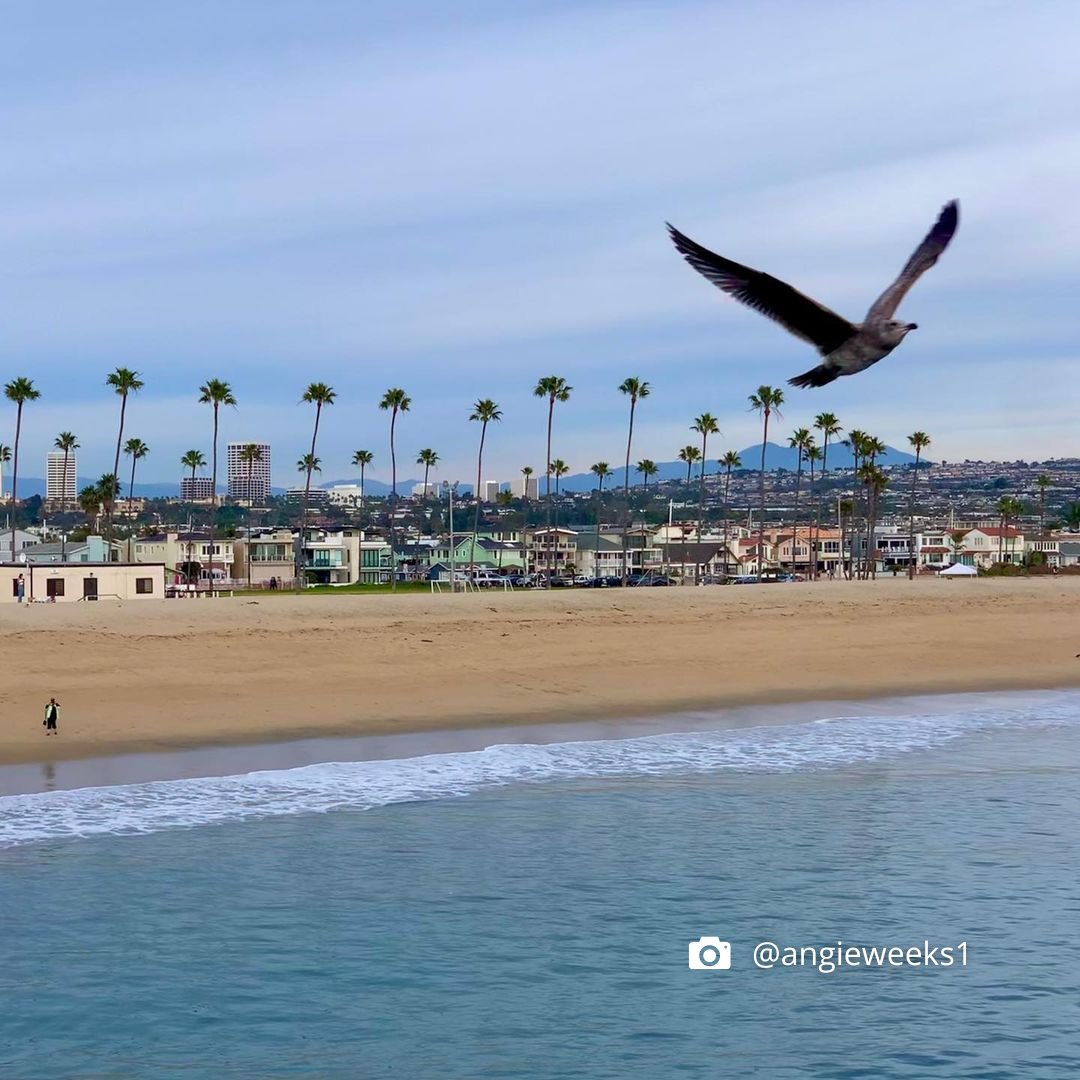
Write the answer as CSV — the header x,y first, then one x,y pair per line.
x,y
347,556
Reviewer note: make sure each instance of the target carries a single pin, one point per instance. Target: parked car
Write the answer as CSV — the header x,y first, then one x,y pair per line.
x,y
651,579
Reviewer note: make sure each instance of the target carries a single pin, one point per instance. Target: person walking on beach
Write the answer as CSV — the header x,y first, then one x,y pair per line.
x,y
52,714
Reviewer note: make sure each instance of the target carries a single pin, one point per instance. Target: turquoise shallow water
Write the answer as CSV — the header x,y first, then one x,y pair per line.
x,y
525,912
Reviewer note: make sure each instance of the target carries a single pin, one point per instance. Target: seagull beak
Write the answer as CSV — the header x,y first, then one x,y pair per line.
x,y
913,326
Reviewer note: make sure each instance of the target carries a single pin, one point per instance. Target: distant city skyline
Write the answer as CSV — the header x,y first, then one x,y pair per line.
x,y
195,189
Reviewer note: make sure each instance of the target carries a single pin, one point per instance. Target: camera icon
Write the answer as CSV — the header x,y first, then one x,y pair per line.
x,y
710,953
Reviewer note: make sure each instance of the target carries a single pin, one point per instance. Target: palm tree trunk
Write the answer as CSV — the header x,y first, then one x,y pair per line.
x,y
213,497
251,488
813,539
15,477
547,487
795,513
596,557
626,490
116,473
361,485
727,516
853,528
63,489
393,503
911,517
701,511
476,509
761,496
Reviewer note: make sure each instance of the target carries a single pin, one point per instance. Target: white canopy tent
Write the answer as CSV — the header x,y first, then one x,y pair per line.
x,y
959,570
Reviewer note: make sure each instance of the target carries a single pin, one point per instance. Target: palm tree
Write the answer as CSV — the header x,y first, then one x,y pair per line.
x,y
363,458
485,412
557,468
878,482
729,461
251,454
1042,482
800,442
215,393
394,401
875,483
556,389
108,489
1010,509
690,455
123,381
855,442
5,458
67,442
308,464
814,454
919,442
766,401
526,471
89,500
429,459
705,425
193,460
322,396
19,391
646,467
829,426
600,470
138,450
635,389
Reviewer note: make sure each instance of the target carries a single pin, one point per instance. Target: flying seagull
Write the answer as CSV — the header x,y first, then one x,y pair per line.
x,y
847,347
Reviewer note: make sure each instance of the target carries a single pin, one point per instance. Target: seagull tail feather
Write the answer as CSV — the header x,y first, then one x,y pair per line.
x,y
822,375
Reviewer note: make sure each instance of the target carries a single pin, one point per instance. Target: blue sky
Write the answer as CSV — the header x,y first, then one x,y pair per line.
x,y
458,199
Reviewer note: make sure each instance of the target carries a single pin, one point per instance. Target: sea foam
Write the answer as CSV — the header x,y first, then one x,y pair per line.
x,y
362,785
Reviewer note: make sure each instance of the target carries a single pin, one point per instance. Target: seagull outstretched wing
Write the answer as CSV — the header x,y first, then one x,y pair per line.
x,y
926,254
803,317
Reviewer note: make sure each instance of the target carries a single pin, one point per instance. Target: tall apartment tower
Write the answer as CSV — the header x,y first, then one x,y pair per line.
x,y
257,488
58,487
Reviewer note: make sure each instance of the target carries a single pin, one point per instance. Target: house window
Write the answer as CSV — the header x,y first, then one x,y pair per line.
x,y
144,585
54,586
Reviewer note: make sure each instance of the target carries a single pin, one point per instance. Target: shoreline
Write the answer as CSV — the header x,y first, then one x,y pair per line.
x,y
254,757
142,678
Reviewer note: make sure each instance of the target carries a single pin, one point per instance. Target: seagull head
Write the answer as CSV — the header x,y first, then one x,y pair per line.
x,y
895,332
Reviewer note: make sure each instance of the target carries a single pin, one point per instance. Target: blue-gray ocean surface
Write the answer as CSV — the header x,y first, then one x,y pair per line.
x,y
525,911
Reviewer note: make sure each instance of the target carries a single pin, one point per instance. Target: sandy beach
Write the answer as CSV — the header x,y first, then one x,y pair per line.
x,y
143,677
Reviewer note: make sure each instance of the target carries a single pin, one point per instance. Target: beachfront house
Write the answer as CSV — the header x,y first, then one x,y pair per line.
x,y
187,555
552,549
642,553
34,583
92,549
496,555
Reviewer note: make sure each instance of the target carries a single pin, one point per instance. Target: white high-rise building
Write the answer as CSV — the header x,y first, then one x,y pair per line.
x,y
528,488
58,487
249,482
489,491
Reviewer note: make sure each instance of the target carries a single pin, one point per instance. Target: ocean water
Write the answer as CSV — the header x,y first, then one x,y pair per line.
x,y
526,911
